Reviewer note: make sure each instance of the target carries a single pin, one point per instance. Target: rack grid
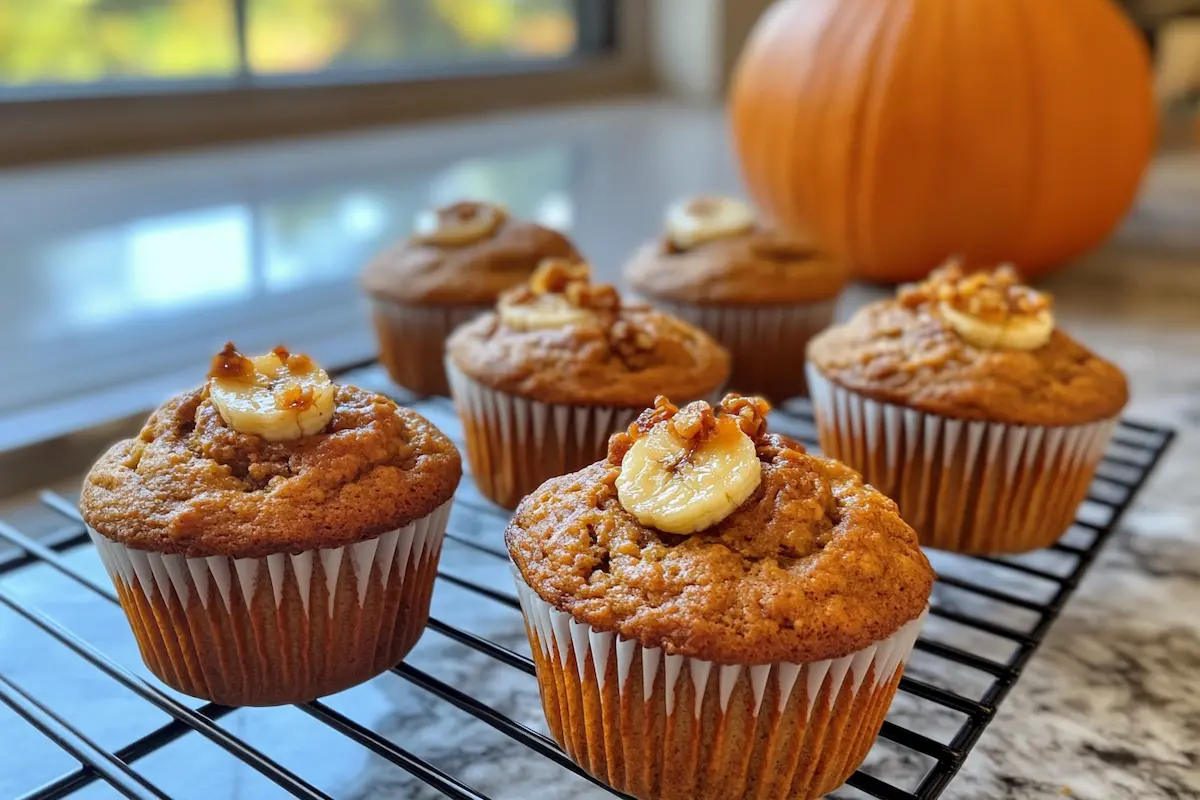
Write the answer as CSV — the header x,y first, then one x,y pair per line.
x,y
1136,451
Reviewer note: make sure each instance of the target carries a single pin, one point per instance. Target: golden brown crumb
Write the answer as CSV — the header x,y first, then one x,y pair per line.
x,y
992,296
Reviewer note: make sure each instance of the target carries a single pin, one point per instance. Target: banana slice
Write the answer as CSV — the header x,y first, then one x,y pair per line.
x,y
458,224
672,484
278,396
703,219
542,312
1020,332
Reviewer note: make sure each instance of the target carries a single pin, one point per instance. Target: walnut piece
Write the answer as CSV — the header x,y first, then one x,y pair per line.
x,y
555,275
991,296
229,363
696,422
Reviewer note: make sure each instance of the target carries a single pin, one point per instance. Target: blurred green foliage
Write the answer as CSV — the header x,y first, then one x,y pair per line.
x,y
79,41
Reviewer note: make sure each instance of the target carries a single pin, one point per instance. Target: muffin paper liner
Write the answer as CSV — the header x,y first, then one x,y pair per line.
x,y
965,486
767,343
281,629
656,725
514,444
412,341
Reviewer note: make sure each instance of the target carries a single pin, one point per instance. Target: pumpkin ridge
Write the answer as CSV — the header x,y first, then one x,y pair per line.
x,y
1027,40
800,204
860,85
862,172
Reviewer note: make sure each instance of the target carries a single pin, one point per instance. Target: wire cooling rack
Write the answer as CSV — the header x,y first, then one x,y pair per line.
x,y
1037,586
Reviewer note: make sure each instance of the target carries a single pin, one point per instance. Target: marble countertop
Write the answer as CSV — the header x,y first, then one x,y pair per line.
x,y
1107,708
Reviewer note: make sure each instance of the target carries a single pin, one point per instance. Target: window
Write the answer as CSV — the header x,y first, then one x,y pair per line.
x,y
94,46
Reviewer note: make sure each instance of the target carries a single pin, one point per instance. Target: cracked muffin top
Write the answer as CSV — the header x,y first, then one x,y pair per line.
x,y
564,340
714,252
463,254
808,563
269,459
977,347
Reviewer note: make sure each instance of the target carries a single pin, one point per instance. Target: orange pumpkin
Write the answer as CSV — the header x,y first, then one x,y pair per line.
x,y
903,132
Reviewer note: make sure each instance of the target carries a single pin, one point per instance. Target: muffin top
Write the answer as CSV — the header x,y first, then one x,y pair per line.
x,y
564,340
975,347
463,254
776,555
714,252
269,457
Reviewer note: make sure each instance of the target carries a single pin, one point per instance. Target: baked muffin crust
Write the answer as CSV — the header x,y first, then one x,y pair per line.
x,y
815,565
610,354
904,352
417,272
757,268
189,484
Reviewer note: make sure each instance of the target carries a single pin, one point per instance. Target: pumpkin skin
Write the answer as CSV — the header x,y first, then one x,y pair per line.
x,y
902,132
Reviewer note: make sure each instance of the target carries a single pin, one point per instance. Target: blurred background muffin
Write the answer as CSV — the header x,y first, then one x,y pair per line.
x,y
962,401
542,381
760,292
457,262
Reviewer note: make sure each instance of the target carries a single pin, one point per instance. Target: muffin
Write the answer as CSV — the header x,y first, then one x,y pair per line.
x,y
562,363
760,293
713,612
457,263
963,402
273,536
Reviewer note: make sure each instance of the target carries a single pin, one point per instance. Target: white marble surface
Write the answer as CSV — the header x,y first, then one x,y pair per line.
x,y
1108,707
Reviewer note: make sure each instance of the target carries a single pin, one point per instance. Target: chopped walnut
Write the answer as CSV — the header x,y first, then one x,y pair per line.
x,y
292,395
556,275
594,296
630,340
751,413
561,280
694,421
698,421
991,296
299,364
229,363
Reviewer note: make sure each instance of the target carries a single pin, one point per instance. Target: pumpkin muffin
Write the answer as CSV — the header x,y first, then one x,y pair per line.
x,y
562,363
273,536
713,612
961,400
458,261
760,293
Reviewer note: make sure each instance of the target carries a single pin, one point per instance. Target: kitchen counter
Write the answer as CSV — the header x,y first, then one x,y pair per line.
x,y
1107,708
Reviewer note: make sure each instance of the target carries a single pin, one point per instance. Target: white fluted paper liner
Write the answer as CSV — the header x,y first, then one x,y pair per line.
x,y
514,444
964,485
766,343
253,631
627,689
412,341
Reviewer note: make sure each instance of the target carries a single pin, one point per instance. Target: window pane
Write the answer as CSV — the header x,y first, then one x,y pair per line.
x,y
299,36
83,41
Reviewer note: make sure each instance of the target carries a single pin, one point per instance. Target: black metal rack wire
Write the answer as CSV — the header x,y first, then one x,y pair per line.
x,y
1136,451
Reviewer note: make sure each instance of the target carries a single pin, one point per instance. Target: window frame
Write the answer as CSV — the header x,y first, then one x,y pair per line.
x,y
55,121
